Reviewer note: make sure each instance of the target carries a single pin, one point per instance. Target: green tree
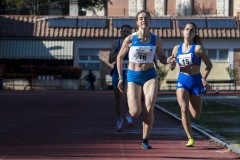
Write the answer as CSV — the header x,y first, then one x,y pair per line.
x,y
162,72
26,7
232,72
40,7
100,4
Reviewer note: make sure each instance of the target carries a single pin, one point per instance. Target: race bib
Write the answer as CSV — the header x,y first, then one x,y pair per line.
x,y
143,54
185,59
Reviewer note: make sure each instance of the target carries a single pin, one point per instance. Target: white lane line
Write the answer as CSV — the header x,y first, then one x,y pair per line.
x,y
230,147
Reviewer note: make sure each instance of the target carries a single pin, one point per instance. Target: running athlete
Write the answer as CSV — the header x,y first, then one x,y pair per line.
x,y
120,99
141,76
190,82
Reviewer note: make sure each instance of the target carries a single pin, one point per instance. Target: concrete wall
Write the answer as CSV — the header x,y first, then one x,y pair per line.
x,y
236,8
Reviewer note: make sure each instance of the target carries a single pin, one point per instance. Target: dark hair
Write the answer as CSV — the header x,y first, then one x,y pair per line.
x,y
126,25
196,38
145,12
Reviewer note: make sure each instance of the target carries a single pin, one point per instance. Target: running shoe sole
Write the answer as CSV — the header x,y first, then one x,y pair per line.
x,y
146,146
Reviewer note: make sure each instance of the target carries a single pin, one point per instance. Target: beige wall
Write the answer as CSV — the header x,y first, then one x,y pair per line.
x,y
218,72
236,8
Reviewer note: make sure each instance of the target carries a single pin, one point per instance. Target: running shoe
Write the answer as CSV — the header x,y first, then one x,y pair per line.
x,y
129,119
119,124
190,142
145,144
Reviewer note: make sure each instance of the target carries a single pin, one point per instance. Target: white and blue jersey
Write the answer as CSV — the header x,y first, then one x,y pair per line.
x,y
191,83
188,58
142,53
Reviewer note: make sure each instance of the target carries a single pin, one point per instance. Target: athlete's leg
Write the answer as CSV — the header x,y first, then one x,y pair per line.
x,y
134,95
124,95
118,102
195,105
150,94
124,102
126,108
183,101
118,108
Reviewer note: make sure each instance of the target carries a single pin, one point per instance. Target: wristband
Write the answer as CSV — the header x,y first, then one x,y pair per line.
x,y
120,78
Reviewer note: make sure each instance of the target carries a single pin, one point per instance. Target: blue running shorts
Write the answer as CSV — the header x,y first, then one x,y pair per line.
x,y
192,83
141,77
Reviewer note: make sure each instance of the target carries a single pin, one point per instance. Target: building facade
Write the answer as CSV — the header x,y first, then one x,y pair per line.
x,y
129,8
86,41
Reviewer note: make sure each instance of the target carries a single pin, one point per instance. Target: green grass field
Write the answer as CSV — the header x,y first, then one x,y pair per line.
x,y
219,120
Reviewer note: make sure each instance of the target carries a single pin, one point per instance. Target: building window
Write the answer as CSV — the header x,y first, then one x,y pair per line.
x,y
89,59
212,54
223,55
218,55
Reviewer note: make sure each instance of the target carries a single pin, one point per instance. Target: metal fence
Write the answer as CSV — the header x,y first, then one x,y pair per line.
x,y
99,84
52,84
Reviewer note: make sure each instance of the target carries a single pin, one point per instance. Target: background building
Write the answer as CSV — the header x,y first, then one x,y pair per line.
x,y
85,41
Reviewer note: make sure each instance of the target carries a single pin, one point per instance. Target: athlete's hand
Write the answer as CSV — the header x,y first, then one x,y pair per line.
x,y
120,86
206,84
172,62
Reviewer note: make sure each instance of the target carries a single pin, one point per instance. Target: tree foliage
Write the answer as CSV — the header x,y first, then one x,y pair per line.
x,y
232,72
100,4
162,72
40,7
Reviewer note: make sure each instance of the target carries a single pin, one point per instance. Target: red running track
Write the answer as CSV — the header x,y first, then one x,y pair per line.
x,y
80,125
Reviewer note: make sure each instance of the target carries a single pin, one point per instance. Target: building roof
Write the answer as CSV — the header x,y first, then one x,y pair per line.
x,y
109,27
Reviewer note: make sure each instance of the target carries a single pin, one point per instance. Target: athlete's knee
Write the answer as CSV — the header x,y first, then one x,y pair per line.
x,y
196,115
184,111
135,113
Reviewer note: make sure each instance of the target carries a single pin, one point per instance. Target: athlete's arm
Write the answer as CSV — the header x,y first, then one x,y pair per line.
x,y
171,59
113,53
159,51
200,51
124,49
155,62
174,51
